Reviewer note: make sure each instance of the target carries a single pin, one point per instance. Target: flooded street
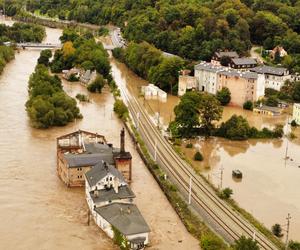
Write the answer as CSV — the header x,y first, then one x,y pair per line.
x,y
270,186
37,211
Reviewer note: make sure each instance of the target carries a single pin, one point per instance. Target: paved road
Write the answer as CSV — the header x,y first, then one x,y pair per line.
x,y
215,212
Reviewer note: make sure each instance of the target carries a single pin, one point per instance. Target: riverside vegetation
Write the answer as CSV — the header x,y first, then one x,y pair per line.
x,y
18,32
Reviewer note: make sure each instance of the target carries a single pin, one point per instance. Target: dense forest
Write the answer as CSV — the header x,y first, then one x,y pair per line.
x,y
191,29
21,32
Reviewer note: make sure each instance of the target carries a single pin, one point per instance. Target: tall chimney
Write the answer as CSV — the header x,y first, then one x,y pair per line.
x,y
122,138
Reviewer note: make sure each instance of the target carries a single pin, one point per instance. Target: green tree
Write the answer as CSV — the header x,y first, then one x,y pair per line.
x,y
248,105
244,243
294,245
97,84
209,242
277,230
272,101
224,96
45,57
198,156
121,109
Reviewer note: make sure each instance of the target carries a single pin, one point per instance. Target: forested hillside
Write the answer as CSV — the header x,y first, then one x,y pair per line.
x,y
191,29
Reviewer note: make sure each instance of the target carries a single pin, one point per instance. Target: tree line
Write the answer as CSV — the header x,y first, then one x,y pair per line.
x,y
199,114
48,104
150,63
22,32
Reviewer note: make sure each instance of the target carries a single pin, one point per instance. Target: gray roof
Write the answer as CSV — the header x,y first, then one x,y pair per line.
x,y
269,70
244,61
208,67
99,171
81,160
125,217
269,108
124,192
231,54
242,74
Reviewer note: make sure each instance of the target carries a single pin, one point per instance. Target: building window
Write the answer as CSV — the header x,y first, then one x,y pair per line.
x,y
110,178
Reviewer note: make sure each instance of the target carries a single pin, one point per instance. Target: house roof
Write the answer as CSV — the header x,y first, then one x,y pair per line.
x,y
244,61
125,217
269,108
242,74
269,70
124,192
100,170
80,160
208,67
231,54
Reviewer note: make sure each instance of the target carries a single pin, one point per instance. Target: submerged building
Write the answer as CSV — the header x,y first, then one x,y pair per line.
x,y
79,151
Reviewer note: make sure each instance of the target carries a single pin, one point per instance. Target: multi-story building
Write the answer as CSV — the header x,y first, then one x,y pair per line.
x,y
274,77
243,86
110,201
296,113
79,151
206,76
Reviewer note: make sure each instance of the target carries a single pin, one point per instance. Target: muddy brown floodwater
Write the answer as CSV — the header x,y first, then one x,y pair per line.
x,y
36,210
270,186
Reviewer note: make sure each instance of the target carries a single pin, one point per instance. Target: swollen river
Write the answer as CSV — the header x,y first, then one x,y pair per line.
x,y
36,210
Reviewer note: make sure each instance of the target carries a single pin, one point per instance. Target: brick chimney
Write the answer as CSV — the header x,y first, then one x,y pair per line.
x,y
122,139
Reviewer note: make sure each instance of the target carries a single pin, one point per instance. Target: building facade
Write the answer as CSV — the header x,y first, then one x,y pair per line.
x,y
186,82
80,151
274,77
110,201
296,113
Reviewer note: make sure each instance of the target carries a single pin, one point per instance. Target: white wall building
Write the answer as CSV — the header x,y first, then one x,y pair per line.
x,y
206,76
296,113
110,201
274,77
153,92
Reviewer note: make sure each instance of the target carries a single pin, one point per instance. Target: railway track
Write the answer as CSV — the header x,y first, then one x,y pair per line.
x,y
229,223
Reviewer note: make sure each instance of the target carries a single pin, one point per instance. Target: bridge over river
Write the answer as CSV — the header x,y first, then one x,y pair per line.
x,y
39,45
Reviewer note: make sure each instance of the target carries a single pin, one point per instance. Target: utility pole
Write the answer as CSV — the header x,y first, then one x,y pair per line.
x,y
155,150
288,218
190,191
221,180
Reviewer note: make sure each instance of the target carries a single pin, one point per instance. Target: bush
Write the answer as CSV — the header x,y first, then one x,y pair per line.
x,y
226,193
272,101
277,230
211,242
294,245
121,109
198,156
73,78
248,105
82,98
293,123
189,145
97,85
244,243
224,96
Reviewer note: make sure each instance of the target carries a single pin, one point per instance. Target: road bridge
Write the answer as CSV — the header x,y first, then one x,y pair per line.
x,y
39,45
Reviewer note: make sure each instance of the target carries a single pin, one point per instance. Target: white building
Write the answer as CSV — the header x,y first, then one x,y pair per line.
x,y
296,113
206,76
110,201
274,77
153,92
186,82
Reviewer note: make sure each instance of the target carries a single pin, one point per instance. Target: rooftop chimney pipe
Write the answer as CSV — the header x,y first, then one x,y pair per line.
x,y
122,138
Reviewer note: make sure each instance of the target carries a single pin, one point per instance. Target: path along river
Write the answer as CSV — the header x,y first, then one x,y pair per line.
x,y
36,210
270,186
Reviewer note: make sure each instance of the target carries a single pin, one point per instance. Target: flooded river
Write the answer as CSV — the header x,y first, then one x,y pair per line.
x,y
270,186
36,210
